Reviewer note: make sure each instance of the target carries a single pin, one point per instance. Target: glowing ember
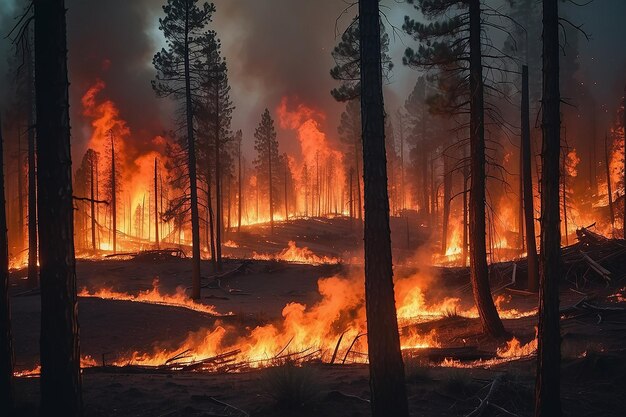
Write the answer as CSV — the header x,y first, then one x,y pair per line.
x,y
298,255
231,244
154,296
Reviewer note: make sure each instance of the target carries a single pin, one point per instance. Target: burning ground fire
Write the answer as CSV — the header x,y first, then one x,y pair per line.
x,y
294,254
332,330
154,296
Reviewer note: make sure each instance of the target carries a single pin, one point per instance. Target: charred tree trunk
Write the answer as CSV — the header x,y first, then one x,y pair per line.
x,y
156,205
547,388
388,391
219,216
113,193
211,229
466,178
20,188
191,165
447,196
479,269
271,186
6,338
33,269
239,186
564,190
527,182
608,181
92,162
59,342
286,201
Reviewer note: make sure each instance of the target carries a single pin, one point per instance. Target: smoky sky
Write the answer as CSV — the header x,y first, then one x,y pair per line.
x,y
274,49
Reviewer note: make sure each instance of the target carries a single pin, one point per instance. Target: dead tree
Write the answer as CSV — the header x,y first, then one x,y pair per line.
x,y
92,162
113,185
608,181
527,188
6,339
33,271
239,180
385,358
156,205
547,389
59,342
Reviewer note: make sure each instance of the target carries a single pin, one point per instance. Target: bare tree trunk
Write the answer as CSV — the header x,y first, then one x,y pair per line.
x,y
113,193
156,205
92,162
269,152
33,269
564,185
20,189
59,341
527,182
219,217
608,182
211,242
191,165
479,269
239,185
286,201
447,196
547,388
466,178
388,391
6,338
521,199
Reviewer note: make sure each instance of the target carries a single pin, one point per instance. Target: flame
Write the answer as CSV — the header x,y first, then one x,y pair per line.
x,y
295,254
154,296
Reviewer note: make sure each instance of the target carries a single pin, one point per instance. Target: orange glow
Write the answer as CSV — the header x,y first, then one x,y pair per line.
x,y
154,296
297,255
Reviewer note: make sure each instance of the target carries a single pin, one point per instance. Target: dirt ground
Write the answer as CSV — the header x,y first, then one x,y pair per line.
x,y
594,344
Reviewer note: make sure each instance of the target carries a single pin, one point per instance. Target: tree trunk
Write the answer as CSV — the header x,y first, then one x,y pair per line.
x,y
156,205
527,182
564,189
191,165
388,391
6,339
113,193
447,196
92,161
59,341
608,182
286,201
20,189
466,178
219,217
479,269
269,153
547,388
239,185
211,242
33,269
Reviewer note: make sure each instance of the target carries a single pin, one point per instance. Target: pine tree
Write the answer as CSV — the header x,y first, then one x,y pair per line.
x,y
453,46
177,76
347,66
350,136
268,160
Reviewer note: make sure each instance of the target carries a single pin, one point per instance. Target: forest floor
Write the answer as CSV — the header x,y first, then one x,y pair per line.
x,y
594,340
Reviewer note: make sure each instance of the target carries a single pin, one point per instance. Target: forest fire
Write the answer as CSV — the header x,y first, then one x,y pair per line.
x,y
224,213
154,296
292,253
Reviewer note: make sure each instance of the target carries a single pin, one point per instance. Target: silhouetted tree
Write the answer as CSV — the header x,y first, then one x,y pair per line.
x,y
547,389
268,159
6,338
454,47
183,27
59,343
388,391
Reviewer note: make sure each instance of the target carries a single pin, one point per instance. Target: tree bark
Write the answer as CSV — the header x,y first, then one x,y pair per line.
x,y
113,193
479,269
269,157
388,391
33,269
156,205
219,217
6,338
92,162
191,163
239,185
608,182
527,188
59,342
547,388
447,196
